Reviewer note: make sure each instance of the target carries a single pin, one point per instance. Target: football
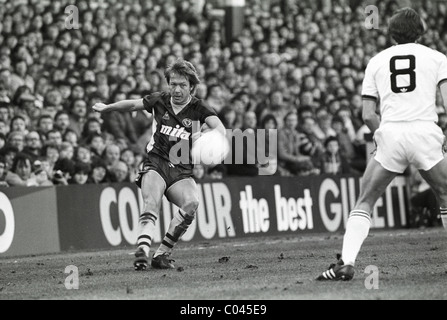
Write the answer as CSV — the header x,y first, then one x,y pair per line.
x,y
211,148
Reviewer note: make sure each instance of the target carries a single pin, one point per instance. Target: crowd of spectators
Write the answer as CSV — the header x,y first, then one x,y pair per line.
x,y
297,66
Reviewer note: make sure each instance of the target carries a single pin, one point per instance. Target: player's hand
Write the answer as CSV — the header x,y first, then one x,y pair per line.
x,y
100,107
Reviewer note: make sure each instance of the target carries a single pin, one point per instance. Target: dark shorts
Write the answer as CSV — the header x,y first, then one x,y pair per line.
x,y
170,173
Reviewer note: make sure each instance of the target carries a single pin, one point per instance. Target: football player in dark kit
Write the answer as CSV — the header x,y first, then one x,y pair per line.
x,y
175,114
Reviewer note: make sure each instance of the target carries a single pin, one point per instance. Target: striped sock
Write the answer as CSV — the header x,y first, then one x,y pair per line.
x,y
147,227
178,226
443,212
357,229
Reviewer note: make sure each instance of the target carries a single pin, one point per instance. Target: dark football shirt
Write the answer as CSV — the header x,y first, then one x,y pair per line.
x,y
172,133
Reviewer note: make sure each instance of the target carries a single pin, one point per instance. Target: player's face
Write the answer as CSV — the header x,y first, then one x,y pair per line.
x,y
180,89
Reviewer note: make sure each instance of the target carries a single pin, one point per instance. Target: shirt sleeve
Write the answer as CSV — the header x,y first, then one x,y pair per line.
x,y
149,101
369,87
206,111
442,71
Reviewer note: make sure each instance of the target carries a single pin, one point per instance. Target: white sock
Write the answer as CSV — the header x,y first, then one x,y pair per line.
x,y
357,230
444,217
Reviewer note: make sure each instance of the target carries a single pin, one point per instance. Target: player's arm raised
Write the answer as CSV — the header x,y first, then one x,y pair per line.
x,y
122,106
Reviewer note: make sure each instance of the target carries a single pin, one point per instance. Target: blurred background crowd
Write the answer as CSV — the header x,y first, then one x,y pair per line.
x,y
296,66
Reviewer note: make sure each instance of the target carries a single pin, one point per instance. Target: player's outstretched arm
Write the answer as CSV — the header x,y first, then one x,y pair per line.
x,y
122,106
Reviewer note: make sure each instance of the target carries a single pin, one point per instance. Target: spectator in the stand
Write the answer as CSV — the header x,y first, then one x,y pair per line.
x,y
346,145
17,139
111,155
215,97
4,128
33,144
18,124
310,144
119,124
91,126
9,153
80,174
5,114
332,161
98,172
51,154
78,114
228,117
2,140
45,124
54,137
63,171
120,172
3,172
83,154
71,137
128,157
277,107
62,121
20,173
66,151
291,160
97,144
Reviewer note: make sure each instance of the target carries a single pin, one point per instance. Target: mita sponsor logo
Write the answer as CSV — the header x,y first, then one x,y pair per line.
x,y
177,132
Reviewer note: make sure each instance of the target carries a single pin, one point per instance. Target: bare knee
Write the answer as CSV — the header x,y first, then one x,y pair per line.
x,y
190,206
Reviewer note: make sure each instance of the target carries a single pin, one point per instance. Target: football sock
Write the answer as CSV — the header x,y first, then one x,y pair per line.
x,y
178,226
444,217
146,229
357,230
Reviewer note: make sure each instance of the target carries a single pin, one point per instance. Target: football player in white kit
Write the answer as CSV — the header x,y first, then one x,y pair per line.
x,y
403,80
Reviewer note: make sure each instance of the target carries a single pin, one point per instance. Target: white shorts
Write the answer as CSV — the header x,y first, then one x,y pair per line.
x,y
400,144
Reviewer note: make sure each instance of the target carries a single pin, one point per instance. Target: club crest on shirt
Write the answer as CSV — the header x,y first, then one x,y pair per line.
x,y
187,123
166,116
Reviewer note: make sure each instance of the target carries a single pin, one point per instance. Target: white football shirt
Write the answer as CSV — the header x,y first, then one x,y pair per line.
x,y
403,78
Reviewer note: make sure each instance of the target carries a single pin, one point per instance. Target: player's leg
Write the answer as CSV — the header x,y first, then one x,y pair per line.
x,y
375,181
436,177
184,194
153,187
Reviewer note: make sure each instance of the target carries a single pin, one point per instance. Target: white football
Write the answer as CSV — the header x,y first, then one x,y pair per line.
x,y
211,148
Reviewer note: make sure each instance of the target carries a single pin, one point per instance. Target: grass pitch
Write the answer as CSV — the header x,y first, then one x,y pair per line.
x,y
412,264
